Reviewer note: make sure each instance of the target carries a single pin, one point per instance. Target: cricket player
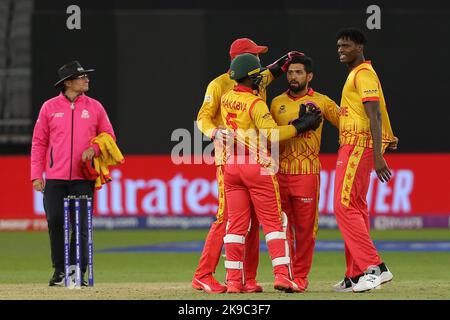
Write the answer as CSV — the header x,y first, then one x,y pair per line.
x,y
364,134
299,174
209,121
251,183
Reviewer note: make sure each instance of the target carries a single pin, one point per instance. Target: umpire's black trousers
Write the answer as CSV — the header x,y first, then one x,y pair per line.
x,y
54,193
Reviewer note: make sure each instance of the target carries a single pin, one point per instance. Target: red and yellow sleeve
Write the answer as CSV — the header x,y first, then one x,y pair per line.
x,y
264,121
209,109
331,111
367,85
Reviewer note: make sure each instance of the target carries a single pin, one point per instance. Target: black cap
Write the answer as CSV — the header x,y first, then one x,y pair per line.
x,y
69,70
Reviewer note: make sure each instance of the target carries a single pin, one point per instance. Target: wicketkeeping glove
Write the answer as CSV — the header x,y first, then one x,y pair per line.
x,y
290,56
308,120
281,64
307,107
276,67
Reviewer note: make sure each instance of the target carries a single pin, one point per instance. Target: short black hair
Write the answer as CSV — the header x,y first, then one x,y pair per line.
x,y
353,34
304,60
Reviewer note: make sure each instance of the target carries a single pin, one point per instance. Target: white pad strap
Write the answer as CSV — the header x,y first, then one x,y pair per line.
x,y
234,265
284,220
275,235
281,261
234,238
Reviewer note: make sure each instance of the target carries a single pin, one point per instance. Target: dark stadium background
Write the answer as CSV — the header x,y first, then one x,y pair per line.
x,y
154,59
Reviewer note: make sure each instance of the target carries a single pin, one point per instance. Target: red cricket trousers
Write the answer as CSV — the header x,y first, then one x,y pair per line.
x,y
352,178
245,187
214,240
299,200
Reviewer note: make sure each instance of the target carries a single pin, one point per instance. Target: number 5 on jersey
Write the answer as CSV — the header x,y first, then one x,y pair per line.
x,y
230,120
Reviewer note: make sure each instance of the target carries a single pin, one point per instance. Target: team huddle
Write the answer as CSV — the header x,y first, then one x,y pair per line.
x,y
279,189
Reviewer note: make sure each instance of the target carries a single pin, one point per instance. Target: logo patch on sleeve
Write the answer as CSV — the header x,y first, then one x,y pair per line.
x,y
85,114
58,114
268,115
370,91
207,98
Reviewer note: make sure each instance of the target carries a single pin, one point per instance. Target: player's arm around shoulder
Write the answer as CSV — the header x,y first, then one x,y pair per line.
x,y
264,121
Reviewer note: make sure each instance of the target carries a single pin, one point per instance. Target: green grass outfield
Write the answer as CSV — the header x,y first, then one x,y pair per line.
x,y
25,269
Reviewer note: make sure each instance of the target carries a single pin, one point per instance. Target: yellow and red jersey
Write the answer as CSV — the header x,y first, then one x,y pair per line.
x,y
209,116
247,114
300,155
362,85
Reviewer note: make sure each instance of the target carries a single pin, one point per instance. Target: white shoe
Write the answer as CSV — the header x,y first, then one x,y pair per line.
x,y
367,282
386,276
344,285
370,280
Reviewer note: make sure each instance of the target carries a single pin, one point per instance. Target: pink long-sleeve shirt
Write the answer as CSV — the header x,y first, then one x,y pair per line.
x,y
63,131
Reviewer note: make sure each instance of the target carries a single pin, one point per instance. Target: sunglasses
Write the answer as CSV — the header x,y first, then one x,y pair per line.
x,y
81,76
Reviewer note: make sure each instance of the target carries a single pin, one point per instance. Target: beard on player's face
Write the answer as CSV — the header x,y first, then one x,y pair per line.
x,y
296,86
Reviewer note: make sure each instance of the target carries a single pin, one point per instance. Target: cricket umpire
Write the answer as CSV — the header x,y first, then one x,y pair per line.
x,y
61,141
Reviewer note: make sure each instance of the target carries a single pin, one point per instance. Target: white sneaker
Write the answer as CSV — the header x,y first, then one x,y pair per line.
x,y
370,280
344,285
386,276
